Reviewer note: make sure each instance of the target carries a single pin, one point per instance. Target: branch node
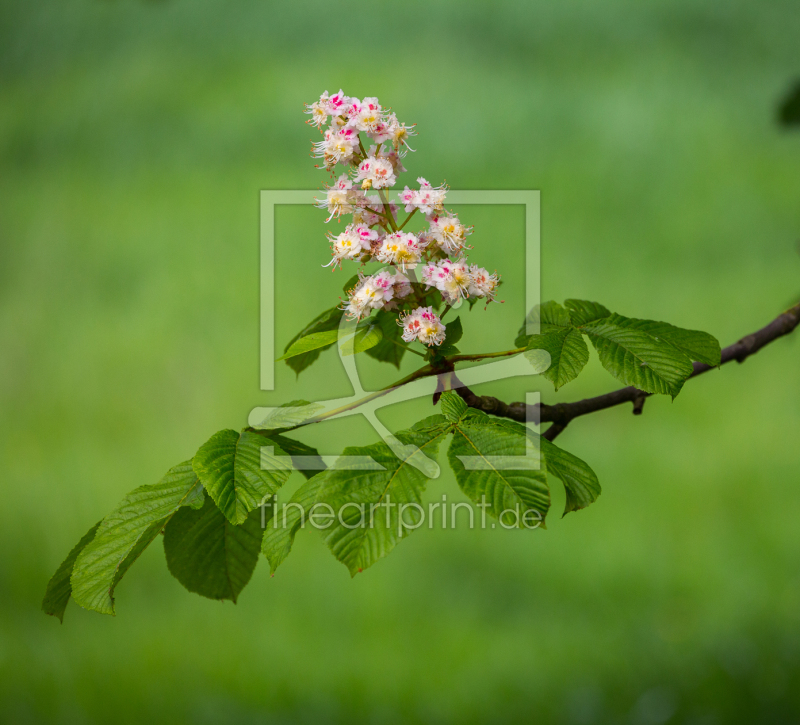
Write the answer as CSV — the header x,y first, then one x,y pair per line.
x,y
638,404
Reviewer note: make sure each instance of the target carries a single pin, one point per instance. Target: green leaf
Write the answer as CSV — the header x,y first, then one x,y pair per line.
x,y
289,519
328,320
229,466
209,555
568,353
314,341
125,533
304,458
694,344
391,347
367,501
453,407
59,588
289,415
366,336
582,312
636,358
501,469
549,316
453,332
579,479
789,110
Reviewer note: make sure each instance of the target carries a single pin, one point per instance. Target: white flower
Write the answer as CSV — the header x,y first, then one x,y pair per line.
x,y
351,243
448,233
339,198
318,112
424,325
452,279
371,293
368,116
430,199
400,133
337,147
375,173
338,104
402,249
483,284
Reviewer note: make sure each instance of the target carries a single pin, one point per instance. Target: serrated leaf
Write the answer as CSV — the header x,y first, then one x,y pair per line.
x,y
210,556
391,347
304,458
636,358
453,331
453,406
125,533
366,336
309,343
582,312
568,353
327,320
549,316
359,541
580,481
59,588
696,345
500,468
229,465
287,521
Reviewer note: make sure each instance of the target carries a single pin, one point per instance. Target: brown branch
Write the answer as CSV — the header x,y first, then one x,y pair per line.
x,y
561,414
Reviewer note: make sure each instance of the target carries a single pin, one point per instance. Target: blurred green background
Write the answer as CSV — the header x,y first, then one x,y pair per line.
x,y
134,139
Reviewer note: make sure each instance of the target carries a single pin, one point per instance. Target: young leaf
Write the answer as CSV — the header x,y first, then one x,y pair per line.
x,y
125,533
454,332
283,526
694,344
582,312
367,336
304,458
328,320
209,555
453,407
580,481
237,474
636,358
391,347
568,353
549,316
497,467
369,502
309,343
59,588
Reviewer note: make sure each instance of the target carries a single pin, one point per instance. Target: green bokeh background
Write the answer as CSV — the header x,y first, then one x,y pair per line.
x,y
134,139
